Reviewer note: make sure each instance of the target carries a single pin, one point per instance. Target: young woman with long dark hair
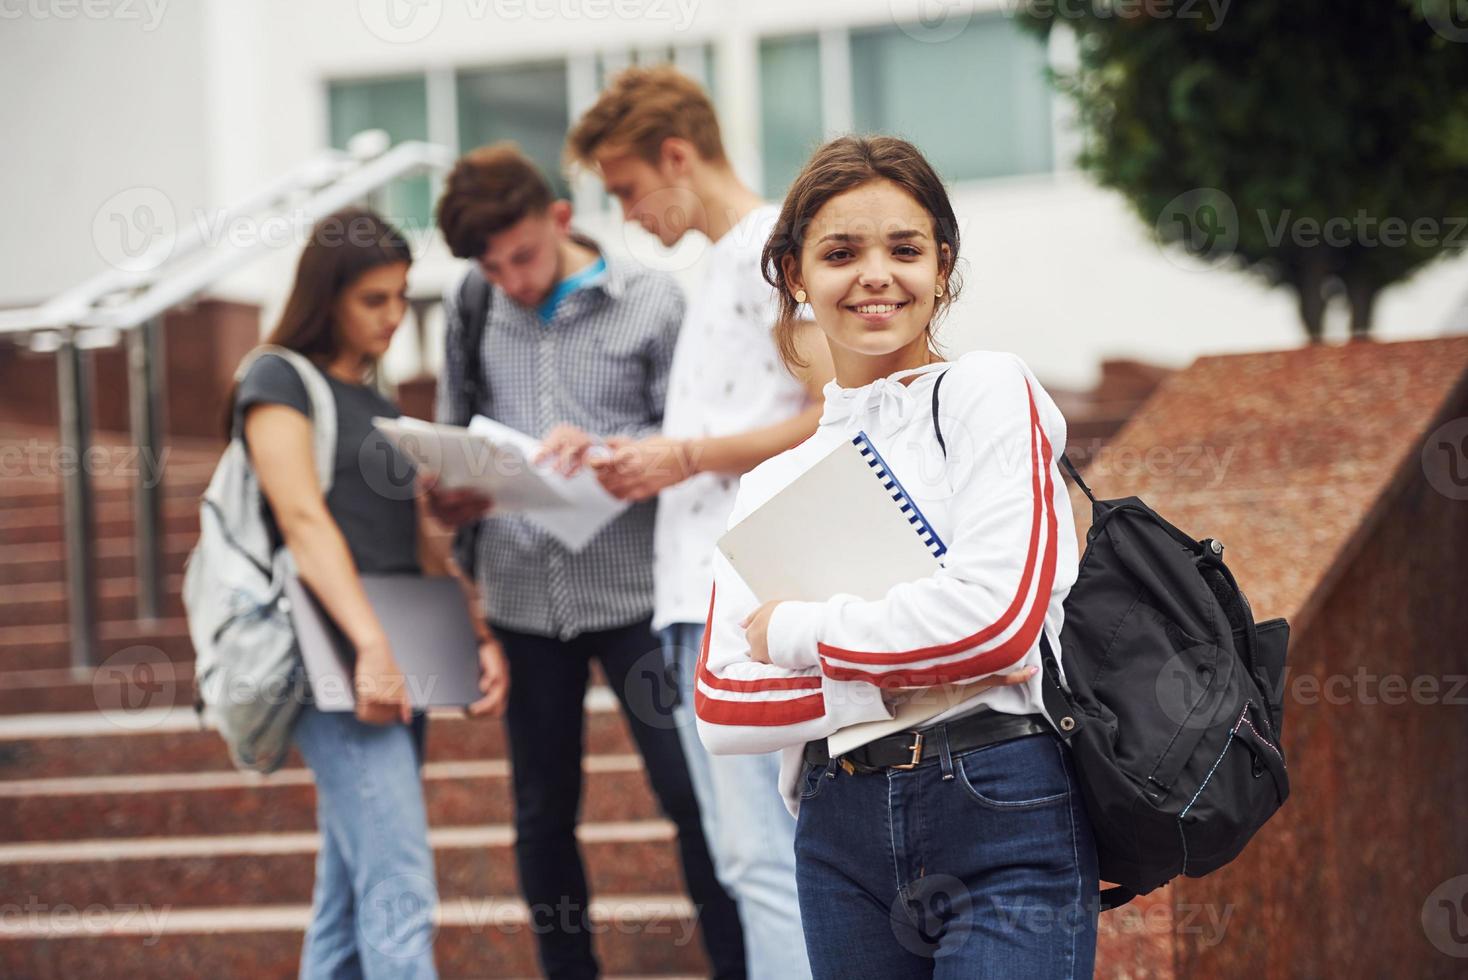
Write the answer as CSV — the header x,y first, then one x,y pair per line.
x,y
375,892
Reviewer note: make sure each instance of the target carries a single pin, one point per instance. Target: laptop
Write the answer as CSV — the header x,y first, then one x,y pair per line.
x,y
428,628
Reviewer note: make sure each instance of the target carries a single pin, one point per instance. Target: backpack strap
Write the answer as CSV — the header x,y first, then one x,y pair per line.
x,y
323,406
1062,712
1064,459
938,429
476,296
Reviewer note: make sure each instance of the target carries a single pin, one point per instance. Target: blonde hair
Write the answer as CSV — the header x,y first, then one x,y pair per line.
x,y
641,108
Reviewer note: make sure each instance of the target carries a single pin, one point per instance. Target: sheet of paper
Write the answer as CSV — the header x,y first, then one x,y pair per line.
x,y
835,530
581,507
465,459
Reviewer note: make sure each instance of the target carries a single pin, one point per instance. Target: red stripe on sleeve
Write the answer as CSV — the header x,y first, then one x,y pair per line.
x,y
1040,454
1011,651
724,711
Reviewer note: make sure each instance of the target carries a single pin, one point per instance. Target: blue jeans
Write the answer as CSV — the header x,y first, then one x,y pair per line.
x,y
976,864
745,820
375,893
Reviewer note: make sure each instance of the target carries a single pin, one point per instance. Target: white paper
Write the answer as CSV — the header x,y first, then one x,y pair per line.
x,y
581,506
497,461
836,531
464,459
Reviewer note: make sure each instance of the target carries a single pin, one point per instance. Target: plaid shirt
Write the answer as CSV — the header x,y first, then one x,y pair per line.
x,y
601,364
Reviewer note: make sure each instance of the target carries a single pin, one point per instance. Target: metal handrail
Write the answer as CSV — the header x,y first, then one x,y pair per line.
x,y
73,322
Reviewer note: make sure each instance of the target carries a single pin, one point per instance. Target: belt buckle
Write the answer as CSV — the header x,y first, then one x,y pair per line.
x,y
917,752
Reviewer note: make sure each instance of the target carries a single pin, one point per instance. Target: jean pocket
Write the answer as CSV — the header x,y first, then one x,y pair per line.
x,y
1019,774
812,780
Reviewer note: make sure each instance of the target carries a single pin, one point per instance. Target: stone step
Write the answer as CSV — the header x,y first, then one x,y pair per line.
x,y
179,483
45,561
23,525
44,603
279,868
169,740
458,794
128,688
142,685
43,647
644,935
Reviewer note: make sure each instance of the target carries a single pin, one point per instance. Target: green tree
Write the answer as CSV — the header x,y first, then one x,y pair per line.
x,y
1320,144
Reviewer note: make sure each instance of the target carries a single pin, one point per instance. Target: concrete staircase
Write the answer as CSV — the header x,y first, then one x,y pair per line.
x,y
130,847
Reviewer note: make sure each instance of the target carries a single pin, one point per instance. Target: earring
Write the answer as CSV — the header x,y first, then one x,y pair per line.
x,y
800,296
938,290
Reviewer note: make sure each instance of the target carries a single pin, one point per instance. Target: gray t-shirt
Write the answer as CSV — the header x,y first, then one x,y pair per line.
x,y
372,491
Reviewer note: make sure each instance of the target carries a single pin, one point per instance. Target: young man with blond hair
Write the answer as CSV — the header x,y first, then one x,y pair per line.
x,y
653,138
567,344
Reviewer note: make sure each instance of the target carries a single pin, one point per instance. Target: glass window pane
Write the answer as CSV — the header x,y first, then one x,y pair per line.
x,y
399,106
529,104
790,107
977,105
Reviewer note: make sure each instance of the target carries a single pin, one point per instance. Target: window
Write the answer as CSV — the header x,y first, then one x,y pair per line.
x,y
529,104
790,107
399,106
977,105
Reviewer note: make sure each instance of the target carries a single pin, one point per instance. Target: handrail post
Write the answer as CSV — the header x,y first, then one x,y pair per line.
x,y
75,415
144,385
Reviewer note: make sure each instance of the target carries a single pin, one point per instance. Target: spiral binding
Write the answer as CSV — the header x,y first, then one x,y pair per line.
x,y
899,495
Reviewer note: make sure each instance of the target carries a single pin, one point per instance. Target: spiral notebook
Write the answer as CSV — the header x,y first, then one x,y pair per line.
x,y
846,526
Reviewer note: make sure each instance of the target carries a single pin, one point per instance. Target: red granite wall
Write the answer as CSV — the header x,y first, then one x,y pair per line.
x,y
1378,812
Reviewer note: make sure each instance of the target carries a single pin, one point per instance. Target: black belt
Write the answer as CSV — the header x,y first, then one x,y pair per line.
x,y
906,750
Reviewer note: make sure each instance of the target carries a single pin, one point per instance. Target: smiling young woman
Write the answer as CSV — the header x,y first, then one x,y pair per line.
x,y
962,848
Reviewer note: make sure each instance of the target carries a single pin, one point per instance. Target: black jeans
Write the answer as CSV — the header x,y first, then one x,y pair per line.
x,y
544,723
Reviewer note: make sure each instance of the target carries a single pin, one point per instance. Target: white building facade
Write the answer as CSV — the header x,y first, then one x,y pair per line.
x,y
124,117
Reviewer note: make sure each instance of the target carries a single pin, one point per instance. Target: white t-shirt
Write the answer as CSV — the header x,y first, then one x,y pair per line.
x,y
727,378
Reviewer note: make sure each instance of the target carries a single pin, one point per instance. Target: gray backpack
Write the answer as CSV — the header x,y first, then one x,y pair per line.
x,y
248,677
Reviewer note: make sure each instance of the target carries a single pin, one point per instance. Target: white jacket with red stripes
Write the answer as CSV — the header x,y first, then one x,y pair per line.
x,y
997,502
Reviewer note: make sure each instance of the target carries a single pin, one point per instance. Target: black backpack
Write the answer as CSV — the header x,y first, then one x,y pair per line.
x,y
1173,709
